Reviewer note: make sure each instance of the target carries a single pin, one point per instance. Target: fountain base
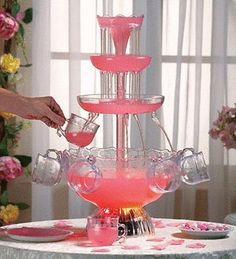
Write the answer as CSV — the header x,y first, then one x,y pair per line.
x,y
136,220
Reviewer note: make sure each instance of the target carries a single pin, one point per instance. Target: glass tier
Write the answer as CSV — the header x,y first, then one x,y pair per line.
x,y
99,177
121,63
129,104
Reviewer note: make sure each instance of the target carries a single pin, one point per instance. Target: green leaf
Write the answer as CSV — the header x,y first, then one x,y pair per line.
x,y
28,15
2,79
3,147
22,205
15,8
21,31
4,199
24,160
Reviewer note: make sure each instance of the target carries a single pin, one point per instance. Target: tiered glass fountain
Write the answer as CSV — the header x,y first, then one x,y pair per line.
x,y
121,180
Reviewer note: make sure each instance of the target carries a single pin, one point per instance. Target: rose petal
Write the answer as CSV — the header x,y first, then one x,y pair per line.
x,y
156,239
174,242
173,224
160,247
160,225
101,250
196,245
131,247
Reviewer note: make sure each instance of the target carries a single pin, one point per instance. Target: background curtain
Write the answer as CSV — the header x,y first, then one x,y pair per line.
x,y
195,83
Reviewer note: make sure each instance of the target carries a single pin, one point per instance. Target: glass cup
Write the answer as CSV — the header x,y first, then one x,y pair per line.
x,y
164,176
83,176
105,231
47,168
193,166
78,131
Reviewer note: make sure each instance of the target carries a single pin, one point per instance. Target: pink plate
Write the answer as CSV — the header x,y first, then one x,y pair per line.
x,y
121,63
206,229
38,234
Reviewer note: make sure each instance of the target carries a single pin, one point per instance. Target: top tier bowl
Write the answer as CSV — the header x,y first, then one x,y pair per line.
x,y
120,29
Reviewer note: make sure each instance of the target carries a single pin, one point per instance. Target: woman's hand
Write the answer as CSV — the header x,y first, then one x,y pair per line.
x,y
45,109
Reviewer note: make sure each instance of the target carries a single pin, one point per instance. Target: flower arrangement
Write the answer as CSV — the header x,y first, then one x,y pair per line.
x,y
224,127
12,22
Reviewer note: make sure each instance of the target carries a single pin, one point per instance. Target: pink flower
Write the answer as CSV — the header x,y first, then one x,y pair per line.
x,y
20,16
224,127
8,25
10,168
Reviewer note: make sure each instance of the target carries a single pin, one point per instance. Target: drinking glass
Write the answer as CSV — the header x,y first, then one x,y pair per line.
x,y
164,176
105,231
47,168
79,131
193,167
83,176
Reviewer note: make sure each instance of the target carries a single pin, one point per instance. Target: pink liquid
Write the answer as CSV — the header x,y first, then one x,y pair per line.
x,y
120,63
102,235
120,36
120,21
120,106
118,191
81,139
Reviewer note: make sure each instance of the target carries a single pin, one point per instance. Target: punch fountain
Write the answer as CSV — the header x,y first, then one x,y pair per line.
x,y
120,180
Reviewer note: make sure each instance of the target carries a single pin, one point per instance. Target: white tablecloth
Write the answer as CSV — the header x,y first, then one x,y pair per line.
x,y
166,236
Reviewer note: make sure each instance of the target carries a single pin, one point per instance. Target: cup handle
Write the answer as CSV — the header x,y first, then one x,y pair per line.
x,y
58,154
122,237
61,131
151,178
186,152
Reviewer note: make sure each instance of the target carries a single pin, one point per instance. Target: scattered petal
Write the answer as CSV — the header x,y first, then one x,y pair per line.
x,y
101,250
174,224
131,247
156,239
174,242
196,245
160,225
160,247
63,224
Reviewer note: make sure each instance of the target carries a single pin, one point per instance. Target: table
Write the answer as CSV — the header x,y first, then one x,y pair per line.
x,y
168,242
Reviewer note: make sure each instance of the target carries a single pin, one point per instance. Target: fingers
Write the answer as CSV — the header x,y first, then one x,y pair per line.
x,y
49,123
53,113
56,108
46,121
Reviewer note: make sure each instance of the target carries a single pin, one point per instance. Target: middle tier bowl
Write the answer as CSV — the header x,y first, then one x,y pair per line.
x,y
111,104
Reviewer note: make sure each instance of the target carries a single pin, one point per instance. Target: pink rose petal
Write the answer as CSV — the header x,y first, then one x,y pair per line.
x,y
174,242
131,247
156,221
63,224
85,244
156,239
101,250
160,225
196,245
160,247
174,224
